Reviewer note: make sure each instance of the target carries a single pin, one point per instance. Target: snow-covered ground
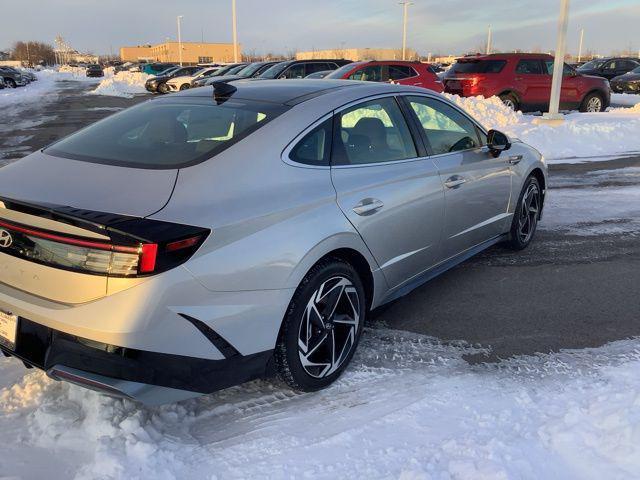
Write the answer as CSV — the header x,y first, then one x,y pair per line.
x,y
625,99
410,408
582,137
122,84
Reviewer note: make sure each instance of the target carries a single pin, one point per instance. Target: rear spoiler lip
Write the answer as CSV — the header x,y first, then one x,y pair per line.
x,y
121,229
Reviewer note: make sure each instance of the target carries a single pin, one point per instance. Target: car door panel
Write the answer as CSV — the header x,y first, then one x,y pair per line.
x,y
477,186
397,206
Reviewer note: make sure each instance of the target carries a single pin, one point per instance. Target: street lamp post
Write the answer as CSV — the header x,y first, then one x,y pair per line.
x,y
178,19
580,47
489,41
405,7
235,30
558,65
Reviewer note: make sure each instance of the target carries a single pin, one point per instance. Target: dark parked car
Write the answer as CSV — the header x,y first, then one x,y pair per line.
x,y
609,67
320,74
230,69
523,82
416,74
301,68
251,70
627,83
12,77
2,85
158,84
95,71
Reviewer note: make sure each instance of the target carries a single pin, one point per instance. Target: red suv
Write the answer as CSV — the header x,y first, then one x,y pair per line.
x,y
523,82
403,73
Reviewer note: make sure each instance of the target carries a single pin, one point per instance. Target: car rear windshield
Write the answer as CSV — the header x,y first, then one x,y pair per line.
x,y
166,134
478,66
340,72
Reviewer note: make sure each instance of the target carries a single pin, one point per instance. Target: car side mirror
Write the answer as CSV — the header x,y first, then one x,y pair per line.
x,y
497,142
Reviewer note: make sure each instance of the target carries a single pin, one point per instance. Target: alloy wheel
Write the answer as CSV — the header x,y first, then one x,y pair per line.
x,y
594,104
509,103
529,209
329,327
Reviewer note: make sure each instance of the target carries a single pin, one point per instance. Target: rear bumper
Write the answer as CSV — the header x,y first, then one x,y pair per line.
x,y
149,377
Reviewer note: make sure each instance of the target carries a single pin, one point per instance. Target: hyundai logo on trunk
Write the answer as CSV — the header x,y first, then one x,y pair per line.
x,y
5,239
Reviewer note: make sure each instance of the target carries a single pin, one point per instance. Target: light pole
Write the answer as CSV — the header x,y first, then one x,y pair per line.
x,y
235,30
178,19
580,47
489,41
558,64
405,7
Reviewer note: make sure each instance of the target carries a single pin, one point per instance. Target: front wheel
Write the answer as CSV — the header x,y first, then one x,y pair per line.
x,y
592,103
185,86
526,215
322,327
10,82
163,88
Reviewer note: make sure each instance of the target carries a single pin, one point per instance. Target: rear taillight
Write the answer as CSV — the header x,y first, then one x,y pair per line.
x,y
127,259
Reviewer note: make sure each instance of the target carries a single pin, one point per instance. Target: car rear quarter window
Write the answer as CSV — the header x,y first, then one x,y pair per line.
x,y
372,73
166,134
315,147
479,66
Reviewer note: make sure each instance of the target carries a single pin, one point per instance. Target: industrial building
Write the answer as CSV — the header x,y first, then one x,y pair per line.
x,y
357,54
192,53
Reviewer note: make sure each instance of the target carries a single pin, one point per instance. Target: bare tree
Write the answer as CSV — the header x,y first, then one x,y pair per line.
x,y
33,53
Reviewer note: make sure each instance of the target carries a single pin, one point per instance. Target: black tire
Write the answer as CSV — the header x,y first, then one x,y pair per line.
x,y
185,86
10,82
511,101
162,88
288,352
593,102
518,240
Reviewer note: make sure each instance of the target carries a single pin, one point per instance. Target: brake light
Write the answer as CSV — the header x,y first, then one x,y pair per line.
x,y
104,258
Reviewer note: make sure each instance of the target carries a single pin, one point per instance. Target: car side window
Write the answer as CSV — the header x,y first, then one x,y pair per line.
x,y
566,70
529,67
371,73
399,72
315,147
446,129
372,132
294,71
612,65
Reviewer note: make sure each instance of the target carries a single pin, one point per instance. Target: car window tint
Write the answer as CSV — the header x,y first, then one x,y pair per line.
x,y
548,68
165,134
315,146
373,132
529,67
447,129
317,67
372,73
479,66
294,71
398,72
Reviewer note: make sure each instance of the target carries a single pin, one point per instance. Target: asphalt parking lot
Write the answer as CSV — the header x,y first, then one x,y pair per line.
x,y
575,287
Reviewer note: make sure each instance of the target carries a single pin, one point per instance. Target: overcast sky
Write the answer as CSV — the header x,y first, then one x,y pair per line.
x,y
438,26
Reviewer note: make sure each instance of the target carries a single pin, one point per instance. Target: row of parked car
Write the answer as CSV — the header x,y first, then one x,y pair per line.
x,y
12,77
522,81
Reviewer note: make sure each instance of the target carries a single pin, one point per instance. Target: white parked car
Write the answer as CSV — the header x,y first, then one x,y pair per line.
x,y
182,83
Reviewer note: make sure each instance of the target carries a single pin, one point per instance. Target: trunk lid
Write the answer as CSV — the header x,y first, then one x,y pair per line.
x,y
64,198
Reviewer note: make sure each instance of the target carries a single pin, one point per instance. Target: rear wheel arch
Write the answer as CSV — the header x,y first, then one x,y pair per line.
x,y
361,266
512,93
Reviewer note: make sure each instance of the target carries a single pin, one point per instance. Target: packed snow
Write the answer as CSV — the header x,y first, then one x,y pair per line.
x,y
582,136
625,99
410,408
122,84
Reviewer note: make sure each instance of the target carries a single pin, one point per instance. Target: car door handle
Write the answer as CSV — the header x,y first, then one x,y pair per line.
x,y
515,159
368,206
454,182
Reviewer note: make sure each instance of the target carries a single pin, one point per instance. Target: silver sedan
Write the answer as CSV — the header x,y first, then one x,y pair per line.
x,y
232,232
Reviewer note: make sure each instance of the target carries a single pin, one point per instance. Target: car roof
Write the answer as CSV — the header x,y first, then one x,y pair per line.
x,y
287,92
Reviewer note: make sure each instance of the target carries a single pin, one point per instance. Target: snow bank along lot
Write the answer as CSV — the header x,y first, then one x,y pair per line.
x,y
409,408
583,136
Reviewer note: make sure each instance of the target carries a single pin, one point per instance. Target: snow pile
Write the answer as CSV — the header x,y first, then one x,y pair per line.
x,y
625,99
410,407
122,84
581,136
